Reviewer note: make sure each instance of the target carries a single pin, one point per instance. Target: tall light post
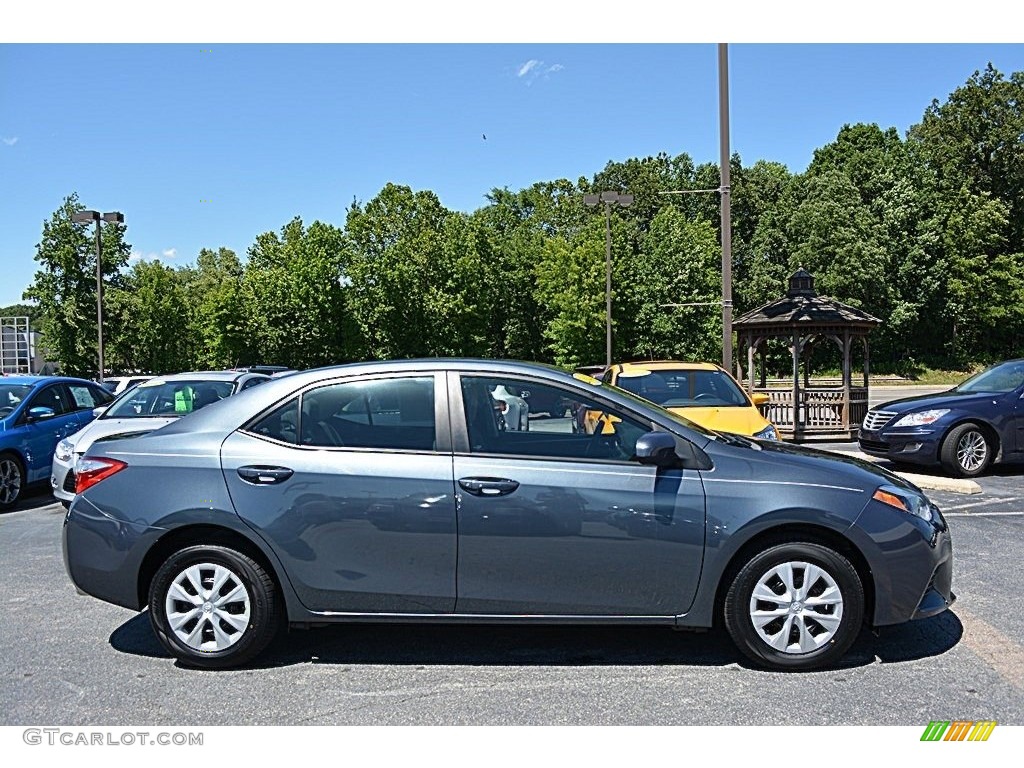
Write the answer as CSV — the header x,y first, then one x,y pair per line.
x,y
84,217
609,199
726,203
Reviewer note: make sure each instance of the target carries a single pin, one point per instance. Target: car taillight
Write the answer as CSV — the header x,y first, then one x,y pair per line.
x,y
89,471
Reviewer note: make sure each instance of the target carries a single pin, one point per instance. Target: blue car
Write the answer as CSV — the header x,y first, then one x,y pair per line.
x,y
36,413
394,492
965,430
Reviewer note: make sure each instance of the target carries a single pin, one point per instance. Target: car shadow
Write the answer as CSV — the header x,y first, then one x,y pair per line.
x,y
34,497
538,645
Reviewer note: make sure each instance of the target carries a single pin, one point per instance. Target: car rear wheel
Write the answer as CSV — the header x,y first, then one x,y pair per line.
x,y
966,451
795,606
213,607
12,479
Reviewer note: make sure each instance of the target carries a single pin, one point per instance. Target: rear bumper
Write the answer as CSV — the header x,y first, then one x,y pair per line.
x,y
103,555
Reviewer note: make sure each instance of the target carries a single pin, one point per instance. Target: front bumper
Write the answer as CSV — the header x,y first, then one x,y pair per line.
x,y
907,446
911,562
62,478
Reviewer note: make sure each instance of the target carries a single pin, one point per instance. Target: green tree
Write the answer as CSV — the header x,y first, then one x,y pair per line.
x,y
217,319
64,287
151,310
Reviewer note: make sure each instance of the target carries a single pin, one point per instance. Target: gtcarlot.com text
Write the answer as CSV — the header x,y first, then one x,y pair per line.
x,y
72,737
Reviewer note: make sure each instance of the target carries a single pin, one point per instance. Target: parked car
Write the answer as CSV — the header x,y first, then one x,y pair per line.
x,y
36,412
702,392
387,490
964,430
154,403
115,385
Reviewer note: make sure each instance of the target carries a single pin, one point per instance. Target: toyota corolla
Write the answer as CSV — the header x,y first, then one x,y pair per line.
x,y
391,492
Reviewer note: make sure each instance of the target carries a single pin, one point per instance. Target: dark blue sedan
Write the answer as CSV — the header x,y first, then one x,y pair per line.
x,y
36,413
394,492
964,430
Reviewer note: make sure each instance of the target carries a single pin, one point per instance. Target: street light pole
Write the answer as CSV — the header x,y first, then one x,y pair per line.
x,y
609,198
111,218
726,207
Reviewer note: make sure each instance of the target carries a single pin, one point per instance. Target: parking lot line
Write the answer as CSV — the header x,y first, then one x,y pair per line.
x,y
982,514
995,648
997,500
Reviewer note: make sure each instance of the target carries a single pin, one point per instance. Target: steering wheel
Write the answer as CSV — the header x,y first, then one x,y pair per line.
x,y
5,411
704,396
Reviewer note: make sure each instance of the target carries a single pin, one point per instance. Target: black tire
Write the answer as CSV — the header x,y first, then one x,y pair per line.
x,y
749,639
264,607
12,480
966,451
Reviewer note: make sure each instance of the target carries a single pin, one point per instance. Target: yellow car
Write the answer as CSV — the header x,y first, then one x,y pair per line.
x,y
702,392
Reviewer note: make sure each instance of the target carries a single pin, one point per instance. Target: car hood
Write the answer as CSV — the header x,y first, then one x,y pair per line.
x,y
810,465
738,420
948,400
102,429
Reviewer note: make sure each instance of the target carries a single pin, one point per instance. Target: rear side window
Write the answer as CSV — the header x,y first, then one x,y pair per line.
x,y
85,397
395,414
280,424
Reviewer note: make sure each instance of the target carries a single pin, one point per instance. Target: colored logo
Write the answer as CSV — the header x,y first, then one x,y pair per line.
x,y
958,730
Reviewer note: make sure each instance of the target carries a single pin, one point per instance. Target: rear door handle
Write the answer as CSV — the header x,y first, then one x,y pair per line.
x,y
259,475
488,486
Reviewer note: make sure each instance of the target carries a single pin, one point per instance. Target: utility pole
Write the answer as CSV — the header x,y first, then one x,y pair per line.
x,y
726,204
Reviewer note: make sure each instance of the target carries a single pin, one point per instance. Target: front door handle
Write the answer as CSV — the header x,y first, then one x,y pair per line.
x,y
260,475
488,486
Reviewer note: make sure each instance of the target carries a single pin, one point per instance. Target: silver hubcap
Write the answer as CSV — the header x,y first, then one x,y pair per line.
x,y
207,607
971,451
796,607
10,481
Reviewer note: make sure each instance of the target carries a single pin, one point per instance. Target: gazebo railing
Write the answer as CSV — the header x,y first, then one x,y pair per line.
x,y
820,410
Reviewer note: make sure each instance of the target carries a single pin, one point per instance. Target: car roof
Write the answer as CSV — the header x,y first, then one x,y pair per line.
x,y
662,365
40,380
204,375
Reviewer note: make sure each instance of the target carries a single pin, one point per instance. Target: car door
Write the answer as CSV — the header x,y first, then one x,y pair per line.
x,y
42,436
559,519
84,398
351,484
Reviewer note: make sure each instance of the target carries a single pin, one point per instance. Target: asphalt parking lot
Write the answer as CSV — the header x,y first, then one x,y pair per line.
x,y
73,660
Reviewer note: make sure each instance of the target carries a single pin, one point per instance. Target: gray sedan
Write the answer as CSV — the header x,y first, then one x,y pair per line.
x,y
392,492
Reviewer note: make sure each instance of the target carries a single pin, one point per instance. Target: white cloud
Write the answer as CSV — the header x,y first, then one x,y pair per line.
x,y
9,141
524,69
171,253
534,69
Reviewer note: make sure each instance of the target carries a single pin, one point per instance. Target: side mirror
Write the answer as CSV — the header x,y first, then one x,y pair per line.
x,y
40,413
99,409
657,449
759,399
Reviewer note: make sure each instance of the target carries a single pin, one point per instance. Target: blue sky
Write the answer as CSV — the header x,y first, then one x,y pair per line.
x,y
207,145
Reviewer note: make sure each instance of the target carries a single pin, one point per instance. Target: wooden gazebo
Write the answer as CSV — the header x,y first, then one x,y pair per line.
x,y
803,319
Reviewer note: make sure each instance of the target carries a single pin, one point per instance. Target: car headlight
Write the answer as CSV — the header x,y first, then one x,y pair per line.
x,y
921,418
65,450
908,501
768,433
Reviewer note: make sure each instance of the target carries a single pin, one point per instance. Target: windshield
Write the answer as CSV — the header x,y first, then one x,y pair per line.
x,y
168,399
667,415
1004,377
684,388
11,396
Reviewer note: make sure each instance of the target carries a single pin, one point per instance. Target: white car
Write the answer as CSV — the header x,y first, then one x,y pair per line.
x,y
152,404
512,408
115,385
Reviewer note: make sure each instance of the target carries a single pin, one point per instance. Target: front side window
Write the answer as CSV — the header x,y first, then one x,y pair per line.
x,y
500,421
52,397
396,414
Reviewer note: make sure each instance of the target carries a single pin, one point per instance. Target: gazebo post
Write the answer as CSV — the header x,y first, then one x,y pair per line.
x,y
796,385
847,375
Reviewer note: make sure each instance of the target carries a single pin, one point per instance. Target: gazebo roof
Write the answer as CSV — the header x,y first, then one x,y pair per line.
x,y
802,307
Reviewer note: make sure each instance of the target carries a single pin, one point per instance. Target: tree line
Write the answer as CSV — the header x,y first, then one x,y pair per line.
x,y
925,231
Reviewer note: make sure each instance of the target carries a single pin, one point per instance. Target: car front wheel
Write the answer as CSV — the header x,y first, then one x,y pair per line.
x,y
795,606
213,607
966,452
12,478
